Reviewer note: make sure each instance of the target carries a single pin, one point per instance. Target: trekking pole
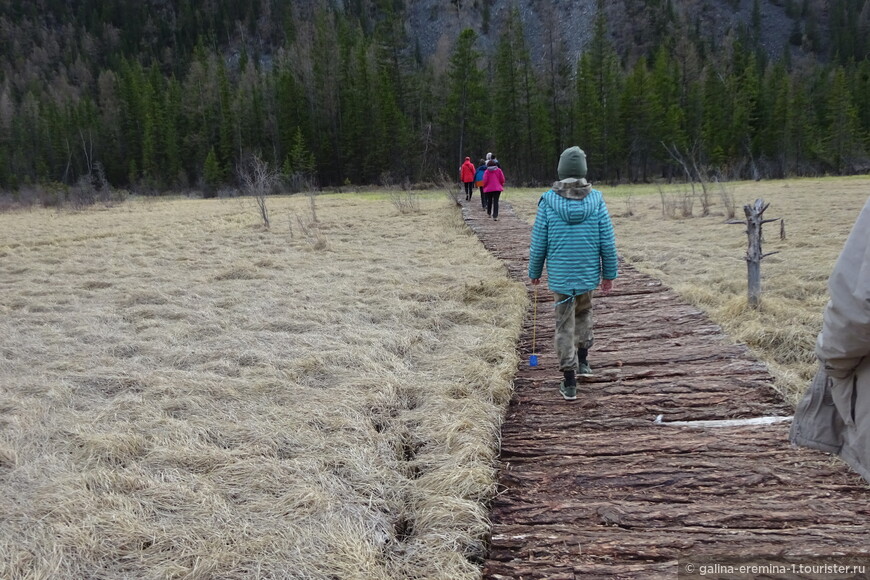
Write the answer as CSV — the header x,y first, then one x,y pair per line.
x,y
533,359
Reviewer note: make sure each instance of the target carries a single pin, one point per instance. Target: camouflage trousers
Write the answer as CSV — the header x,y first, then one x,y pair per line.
x,y
573,327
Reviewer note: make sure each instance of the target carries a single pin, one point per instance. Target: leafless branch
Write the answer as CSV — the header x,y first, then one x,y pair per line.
x,y
257,181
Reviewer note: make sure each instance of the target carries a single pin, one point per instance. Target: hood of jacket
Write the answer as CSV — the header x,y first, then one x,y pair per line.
x,y
573,200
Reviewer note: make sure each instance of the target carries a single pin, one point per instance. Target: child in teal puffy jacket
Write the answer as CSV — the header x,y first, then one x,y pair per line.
x,y
574,236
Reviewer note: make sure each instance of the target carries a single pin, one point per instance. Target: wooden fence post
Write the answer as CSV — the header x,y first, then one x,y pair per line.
x,y
754,255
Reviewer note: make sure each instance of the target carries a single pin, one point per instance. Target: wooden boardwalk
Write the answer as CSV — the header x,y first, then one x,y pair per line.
x,y
596,489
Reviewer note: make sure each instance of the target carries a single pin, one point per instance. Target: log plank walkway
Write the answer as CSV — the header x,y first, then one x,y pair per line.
x,y
596,489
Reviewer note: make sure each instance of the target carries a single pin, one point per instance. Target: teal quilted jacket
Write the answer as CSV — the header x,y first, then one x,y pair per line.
x,y
573,234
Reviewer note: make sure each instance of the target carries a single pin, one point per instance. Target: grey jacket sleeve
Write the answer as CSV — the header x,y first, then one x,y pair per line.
x,y
845,336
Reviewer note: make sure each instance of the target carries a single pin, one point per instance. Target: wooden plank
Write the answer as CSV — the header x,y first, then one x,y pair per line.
x,y
595,489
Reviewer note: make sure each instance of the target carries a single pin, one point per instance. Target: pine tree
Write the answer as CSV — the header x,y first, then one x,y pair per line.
x,y
639,125
506,97
212,174
464,117
226,120
556,78
149,162
173,173
523,131
716,124
301,158
133,87
357,105
110,128
325,102
775,137
599,85
393,93
841,140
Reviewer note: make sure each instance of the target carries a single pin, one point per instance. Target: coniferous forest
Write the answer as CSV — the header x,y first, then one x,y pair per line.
x,y
164,96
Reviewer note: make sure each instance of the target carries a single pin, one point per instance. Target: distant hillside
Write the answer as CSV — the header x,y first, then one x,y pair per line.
x,y
162,94
635,27
804,27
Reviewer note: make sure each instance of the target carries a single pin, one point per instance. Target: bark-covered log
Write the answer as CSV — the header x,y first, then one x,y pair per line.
x,y
596,489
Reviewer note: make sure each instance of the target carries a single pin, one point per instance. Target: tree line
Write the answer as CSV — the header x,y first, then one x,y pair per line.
x,y
146,96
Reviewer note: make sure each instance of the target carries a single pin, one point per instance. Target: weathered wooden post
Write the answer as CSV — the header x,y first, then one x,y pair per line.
x,y
754,255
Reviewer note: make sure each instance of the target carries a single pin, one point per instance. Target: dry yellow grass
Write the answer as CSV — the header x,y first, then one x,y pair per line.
x,y
184,394
702,258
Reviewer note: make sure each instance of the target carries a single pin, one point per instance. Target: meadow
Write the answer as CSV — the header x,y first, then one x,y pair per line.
x,y
702,258
185,393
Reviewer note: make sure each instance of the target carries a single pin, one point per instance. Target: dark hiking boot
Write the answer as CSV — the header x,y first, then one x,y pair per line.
x,y
568,386
569,392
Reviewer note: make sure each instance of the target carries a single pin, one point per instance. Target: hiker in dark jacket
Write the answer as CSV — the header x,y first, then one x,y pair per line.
x,y
574,236
478,180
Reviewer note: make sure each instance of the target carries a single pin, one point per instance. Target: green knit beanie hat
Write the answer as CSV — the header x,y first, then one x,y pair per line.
x,y
572,163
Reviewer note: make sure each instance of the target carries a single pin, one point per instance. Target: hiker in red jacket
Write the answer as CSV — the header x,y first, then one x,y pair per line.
x,y
466,173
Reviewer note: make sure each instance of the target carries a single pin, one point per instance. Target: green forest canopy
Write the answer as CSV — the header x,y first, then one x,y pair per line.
x,y
170,95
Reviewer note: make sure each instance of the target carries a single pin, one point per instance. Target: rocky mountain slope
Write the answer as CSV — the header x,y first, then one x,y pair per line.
x,y
632,24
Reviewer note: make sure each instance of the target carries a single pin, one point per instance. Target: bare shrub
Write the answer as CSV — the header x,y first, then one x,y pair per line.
x,y
258,180
81,194
300,181
704,198
92,187
7,202
629,207
669,204
695,173
679,204
687,203
312,205
405,201
25,198
309,226
726,196
227,192
451,190
386,179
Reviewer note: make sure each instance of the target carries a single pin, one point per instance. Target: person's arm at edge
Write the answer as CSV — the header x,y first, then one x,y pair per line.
x,y
607,245
538,246
845,336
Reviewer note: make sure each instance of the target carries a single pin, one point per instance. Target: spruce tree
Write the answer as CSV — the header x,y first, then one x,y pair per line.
x,y
599,85
212,174
841,140
464,114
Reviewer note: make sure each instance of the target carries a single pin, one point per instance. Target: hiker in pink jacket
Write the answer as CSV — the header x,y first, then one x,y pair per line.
x,y
493,185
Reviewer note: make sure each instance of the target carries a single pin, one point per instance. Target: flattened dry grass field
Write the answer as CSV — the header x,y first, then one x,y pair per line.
x,y
702,258
185,394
